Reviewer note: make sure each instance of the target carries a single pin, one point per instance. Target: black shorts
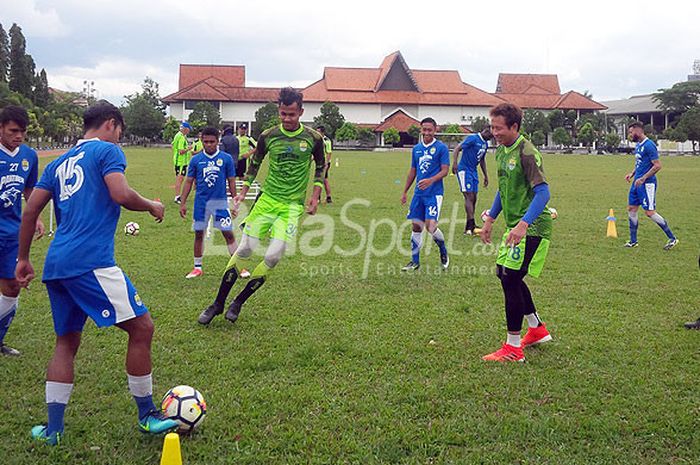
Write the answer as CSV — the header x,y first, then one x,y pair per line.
x,y
328,168
240,167
181,170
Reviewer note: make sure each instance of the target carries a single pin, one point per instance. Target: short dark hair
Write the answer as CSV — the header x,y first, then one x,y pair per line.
x,y
428,120
637,124
14,113
243,126
289,95
510,112
210,131
321,128
486,133
100,112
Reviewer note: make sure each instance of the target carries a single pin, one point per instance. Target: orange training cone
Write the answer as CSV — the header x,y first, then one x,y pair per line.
x,y
171,450
612,228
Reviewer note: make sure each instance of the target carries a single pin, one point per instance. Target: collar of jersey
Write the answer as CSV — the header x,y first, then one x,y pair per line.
x,y
212,155
7,151
82,141
510,148
292,134
430,144
481,137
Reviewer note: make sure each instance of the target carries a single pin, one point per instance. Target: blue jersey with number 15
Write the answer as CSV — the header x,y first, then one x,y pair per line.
x,y
85,212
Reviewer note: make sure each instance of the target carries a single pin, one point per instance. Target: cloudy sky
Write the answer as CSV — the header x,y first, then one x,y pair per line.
x,y
611,49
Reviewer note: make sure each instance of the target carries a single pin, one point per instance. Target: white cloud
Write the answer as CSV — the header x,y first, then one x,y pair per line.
x,y
35,20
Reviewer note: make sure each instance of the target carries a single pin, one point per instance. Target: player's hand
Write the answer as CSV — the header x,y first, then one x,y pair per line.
x,y
403,199
183,210
486,182
40,229
516,234
628,177
157,210
638,182
24,273
237,199
423,184
486,230
312,205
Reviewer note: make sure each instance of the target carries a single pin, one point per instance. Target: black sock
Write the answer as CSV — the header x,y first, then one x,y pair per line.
x,y
471,224
227,282
250,288
529,304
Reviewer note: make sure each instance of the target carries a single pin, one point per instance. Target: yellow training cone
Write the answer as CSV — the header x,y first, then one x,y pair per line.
x,y
171,450
612,228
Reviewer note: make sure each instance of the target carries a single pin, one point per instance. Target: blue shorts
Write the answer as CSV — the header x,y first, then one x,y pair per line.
x,y
468,180
8,258
425,208
644,195
216,208
105,295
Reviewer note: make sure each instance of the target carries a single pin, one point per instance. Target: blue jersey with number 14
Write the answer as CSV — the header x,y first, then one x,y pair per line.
x,y
85,212
428,161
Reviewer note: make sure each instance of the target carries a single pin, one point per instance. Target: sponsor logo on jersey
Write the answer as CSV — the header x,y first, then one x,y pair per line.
x,y
9,197
424,163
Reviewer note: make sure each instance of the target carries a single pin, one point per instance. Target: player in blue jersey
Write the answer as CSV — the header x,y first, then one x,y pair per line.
x,y
643,190
211,169
430,162
88,188
473,149
18,175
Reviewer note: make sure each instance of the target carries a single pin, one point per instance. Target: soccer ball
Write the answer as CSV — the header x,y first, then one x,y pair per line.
x,y
185,405
553,212
131,229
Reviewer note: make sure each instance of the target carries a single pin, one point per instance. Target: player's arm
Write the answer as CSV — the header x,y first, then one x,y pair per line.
x,y
655,168
319,172
455,157
124,195
252,145
40,229
532,170
253,168
24,272
186,189
490,218
482,164
410,177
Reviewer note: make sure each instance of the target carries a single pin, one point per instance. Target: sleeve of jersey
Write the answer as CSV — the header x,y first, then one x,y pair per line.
x,y
113,160
192,168
532,168
539,202
653,151
445,156
320,160
255,161
230,168
34,173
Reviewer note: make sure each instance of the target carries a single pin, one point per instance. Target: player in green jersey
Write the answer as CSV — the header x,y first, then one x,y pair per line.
x,y
181,151
522,196
246,148
290,147
328,149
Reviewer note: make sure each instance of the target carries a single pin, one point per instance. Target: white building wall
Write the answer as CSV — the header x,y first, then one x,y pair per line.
x,y
444,114
240,111
368,113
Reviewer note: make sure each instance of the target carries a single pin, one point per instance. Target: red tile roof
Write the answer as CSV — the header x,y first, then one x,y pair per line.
x,y
520,83
212,89
231,75
398,120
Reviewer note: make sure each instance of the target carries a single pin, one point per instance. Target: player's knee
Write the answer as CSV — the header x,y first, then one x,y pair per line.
x,y
142,328
649,213
510,278
417,227
632,208
68,344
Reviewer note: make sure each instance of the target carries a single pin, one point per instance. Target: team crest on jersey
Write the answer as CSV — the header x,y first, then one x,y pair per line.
x,y
511,164
432,150
303,146
219,162
25,164
137,299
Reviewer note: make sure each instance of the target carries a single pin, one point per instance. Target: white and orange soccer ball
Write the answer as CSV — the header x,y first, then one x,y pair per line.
x,y
185,405
131,228
554,213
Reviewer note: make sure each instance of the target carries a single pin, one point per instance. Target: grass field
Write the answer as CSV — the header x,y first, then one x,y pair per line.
x,y
325,366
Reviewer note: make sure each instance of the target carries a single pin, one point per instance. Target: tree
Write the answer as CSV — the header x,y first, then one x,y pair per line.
x,y
171,127
586,135
266,116
41,96
34,130
611,141
4,55
347,131
561,136
556,119
480,123
151,92
690,125
142,118
21,64
414,131
392,136
538,138
330,118
679,98
366,136
535,120
450,129
204,114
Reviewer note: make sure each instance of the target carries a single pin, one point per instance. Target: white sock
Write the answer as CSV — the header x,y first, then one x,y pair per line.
x,y
417,239
7,304
658,219
140,386
438,236
634,218
533,321
197,262
513,340
58,393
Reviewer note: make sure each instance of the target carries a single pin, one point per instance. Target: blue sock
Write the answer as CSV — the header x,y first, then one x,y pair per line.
x,y
634,225
5,323
658,219
416,242
145,405
56,412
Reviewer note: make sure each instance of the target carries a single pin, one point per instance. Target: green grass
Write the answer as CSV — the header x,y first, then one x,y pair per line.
x,y
326,367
